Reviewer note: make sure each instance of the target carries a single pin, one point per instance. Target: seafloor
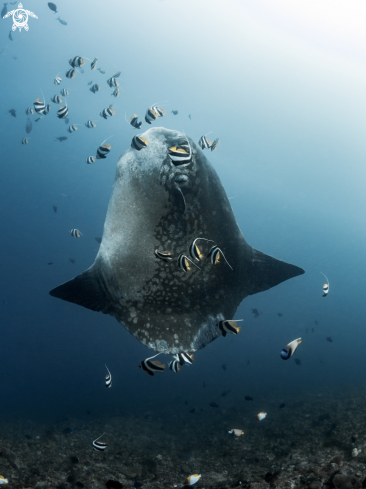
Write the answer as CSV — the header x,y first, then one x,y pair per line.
x,y
310,443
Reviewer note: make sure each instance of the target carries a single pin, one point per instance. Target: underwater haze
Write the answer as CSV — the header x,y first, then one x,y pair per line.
x,y
281,84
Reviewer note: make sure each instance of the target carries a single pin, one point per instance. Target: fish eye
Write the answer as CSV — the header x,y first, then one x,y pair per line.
x,y
181,178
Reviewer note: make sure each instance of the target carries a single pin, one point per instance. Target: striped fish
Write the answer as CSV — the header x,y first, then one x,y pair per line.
x,y
71,73
229,326
181,153
47,109
102,151
77,62
72,128
151,115
94,63
194,251
108,379
75,233
95,88
29,111
214,144
185,358
116,74
174,365
90,160
164,255
134,122
113,82
149,366
39,106
90,124
215,255
159,111
183,263
138,143
107,112
56,99
115,92
65,92
57,80
204,142
99,445
25,141
63,112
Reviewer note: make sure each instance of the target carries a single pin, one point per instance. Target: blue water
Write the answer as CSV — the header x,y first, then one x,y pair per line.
x,y
290,118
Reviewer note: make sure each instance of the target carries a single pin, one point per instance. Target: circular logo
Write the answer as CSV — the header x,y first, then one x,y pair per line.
x,y
20,18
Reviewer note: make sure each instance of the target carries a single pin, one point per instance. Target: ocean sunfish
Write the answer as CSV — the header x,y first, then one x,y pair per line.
x,y
164,203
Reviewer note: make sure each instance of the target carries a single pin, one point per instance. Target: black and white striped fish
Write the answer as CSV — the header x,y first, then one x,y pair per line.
x,y
164,255
185,358
90,124
113,82
115,92
134,122
181,153
204,142
95,88
63,112
151,115
71,73
116,74
94,63
25,141
214,144
194,251
107,112
47,109
72,128
90,160
77,62
108,379
325,286
149,366
99,445
29,111
56,99
229,326
183,263
39,106
215,255
65,92
57,80
102,151
75,233
159,111
138,143
174,365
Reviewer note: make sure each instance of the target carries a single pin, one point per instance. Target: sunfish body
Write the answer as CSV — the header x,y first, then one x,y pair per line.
x,y
159,205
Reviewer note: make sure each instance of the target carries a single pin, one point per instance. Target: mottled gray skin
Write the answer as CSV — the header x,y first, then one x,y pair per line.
x,y
166,309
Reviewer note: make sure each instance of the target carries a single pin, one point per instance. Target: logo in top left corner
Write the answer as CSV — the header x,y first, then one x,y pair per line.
x,y
20,18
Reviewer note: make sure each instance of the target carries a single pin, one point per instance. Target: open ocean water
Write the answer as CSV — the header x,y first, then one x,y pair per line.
x,y
282,85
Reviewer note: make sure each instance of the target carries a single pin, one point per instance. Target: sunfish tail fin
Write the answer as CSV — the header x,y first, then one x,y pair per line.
x,y
85,290
269,272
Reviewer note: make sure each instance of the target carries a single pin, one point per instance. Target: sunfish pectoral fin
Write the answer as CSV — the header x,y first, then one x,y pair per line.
x,y
85,290
267,272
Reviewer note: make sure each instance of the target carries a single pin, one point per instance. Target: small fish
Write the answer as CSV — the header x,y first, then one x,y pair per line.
x,y
93,64
13,112
56,99
113,82
3,480
289,349
108,379
192,479
102,72
223,366
329,338
90,160
184,358
65,92
248,398
214,144
50,263
181,154
57,80
255,313
150,366
61,138
138,143
102,151
225,393
95,88
261,416
174,112
63,22
90,124
75,233
213,404
297,361
29,111
107,112
99,445
10,36
236,432
204,142
53,7
47,109
195,251
229,326
4,10
72,260
282,405
71,73
39,106
190,117
183,263
325,286
116,74
115,92
98,240
63,112
72,128
25,141
174,365
54,207
280,314
134,122
14,57
164,255
151,115
215,255
192,411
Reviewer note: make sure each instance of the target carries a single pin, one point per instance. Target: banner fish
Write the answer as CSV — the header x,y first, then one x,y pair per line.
x,y
174,365
215,254
95,88
75,233
71,73
181,153
47,109
204,142
93,64
72,128
183,263
65,92
115,92
214,144
56,99
77,62
107,112
261,416
164,255
90,160
108,379
39,106
116,74
229,326
185,358
134,121
138,143
102,151
63,112
99,445
192,479
151,115
25,141
289,349
113,82
90,124
29,111
195,251
150,367
325,286
3,480
57,80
